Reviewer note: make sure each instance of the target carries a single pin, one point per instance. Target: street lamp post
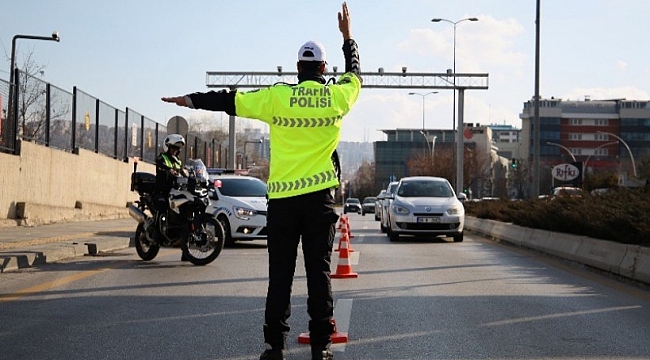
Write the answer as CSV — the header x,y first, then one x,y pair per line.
x,y
422,132
454,23
563,147
433,146
626,146
13,93
459,169
259,141
598,147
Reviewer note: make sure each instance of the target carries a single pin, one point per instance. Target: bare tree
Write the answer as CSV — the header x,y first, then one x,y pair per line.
x,y
440,164
31,110
364,181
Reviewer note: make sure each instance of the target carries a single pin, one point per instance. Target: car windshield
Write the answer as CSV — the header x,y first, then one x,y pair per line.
x,y
424,188
353,201
243,187
369,200
391,188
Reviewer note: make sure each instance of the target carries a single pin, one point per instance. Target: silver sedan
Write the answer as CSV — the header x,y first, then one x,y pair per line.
x,y
424,205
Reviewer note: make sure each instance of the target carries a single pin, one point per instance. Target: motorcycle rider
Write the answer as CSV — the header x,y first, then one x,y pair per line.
x,y
168,167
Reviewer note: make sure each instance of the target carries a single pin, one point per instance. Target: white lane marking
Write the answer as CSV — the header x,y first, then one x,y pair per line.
x,y
342,314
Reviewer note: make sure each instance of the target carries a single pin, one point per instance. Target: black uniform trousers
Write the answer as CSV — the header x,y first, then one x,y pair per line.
x,y
312,218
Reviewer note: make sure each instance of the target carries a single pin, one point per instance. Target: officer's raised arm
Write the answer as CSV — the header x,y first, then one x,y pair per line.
x,y
350,48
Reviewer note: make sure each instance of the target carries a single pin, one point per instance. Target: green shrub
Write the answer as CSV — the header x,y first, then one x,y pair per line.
x,y
622,216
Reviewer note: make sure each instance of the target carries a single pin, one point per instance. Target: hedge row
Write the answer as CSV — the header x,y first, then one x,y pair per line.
x,y
622,216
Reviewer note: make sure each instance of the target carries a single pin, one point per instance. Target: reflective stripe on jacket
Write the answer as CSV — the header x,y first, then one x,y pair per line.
x,y
305,129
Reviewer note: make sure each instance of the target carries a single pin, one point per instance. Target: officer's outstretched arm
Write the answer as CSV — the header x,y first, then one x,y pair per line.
x,y
214,100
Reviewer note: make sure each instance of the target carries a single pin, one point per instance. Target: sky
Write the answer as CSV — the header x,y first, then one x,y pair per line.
x,y
131,53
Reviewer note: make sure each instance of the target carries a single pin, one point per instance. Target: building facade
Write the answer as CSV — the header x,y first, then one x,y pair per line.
x,y
602,135
485,179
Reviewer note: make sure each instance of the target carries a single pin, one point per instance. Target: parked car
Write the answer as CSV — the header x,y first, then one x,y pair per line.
x,y
239,204
352,205
568,191
425,205
385,203
378,199
368,205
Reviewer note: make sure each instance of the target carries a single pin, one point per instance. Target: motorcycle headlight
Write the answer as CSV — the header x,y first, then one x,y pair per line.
x,y
400,210
244,213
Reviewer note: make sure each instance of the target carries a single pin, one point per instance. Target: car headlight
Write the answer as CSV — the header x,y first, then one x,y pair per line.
x,y
243,213
454,210
400,210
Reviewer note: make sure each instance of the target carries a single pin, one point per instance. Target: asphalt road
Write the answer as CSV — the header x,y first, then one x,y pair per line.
x,y
420,298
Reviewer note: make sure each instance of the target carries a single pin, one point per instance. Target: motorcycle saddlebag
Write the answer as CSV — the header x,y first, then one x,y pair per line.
x,y
143,182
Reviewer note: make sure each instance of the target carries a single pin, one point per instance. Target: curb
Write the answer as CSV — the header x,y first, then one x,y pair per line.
x,y
629,261
29,256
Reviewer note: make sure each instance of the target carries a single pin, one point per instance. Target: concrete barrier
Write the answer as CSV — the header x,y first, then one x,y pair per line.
x,y
628,261
45,185
602,254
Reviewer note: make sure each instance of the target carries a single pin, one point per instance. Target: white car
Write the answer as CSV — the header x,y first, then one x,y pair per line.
x,y
239,203
425,205
385,204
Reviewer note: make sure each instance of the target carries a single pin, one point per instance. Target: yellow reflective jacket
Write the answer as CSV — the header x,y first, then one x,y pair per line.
x,y
305,129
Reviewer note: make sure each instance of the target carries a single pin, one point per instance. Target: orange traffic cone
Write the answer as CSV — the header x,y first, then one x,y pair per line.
x,y
337,337
347,225
344,234
344,269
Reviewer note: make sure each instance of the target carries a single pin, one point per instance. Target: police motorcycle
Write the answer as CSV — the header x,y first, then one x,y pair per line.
x,y
184,224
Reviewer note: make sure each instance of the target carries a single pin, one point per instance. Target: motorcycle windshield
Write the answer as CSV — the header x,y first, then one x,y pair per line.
x,y
198,170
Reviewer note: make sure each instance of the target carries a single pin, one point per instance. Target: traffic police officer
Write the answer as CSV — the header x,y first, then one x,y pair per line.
x,y
168,165
305,124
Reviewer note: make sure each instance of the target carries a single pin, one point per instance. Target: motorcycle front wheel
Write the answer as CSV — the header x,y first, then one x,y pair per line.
x,y
206,243
146,249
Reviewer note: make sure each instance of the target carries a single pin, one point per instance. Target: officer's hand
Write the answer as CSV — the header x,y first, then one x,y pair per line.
x,y
344,22
178,100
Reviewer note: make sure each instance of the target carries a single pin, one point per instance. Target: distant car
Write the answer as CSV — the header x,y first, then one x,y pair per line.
x,y
352,205
425,205
368,205
385,203
378,199
568,191
239,204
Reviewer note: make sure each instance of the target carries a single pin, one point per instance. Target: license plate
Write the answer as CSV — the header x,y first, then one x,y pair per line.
x,y
428,219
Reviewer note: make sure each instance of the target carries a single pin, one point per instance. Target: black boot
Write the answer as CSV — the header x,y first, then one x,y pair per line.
x,y
272,354
322,355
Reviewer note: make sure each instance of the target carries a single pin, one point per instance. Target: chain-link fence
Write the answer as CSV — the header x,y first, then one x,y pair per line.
x,y
59,119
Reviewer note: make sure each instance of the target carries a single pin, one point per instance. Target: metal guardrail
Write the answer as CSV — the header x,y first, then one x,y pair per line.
x,y
75,120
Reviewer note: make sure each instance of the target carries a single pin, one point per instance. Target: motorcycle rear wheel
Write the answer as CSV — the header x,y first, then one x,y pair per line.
x,y
146,250
215,236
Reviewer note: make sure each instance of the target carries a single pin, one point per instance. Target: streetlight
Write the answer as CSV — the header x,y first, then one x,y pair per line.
x,y
259,141
627,147
563,147
598,147
433,146
459,156
423,96
454,68
14,91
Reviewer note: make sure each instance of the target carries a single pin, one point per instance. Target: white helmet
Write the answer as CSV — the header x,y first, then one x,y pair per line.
x,y
173,140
